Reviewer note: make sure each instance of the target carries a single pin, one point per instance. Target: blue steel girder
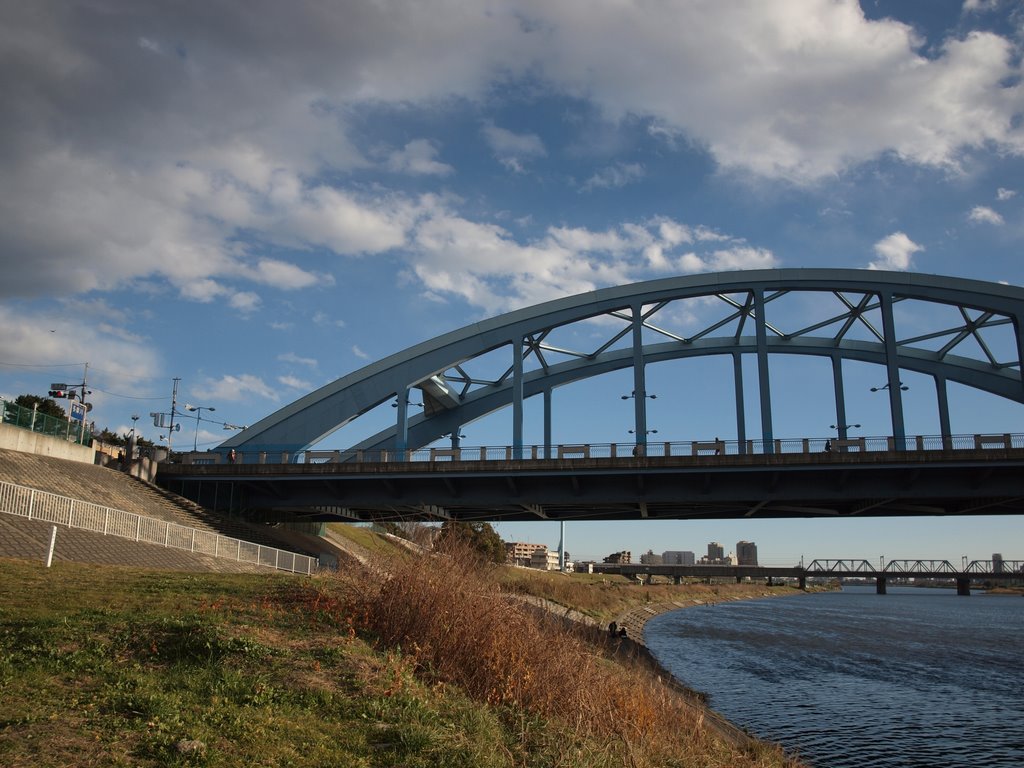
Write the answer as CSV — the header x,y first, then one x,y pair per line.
x,y
455,397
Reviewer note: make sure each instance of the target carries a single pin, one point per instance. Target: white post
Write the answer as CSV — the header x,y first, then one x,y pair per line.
x,y
53,541
31,502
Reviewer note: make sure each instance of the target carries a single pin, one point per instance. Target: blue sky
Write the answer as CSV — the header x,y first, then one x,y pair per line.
x,y
261,198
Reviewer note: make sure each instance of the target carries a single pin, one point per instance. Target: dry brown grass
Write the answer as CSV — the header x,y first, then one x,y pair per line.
x,y
453,624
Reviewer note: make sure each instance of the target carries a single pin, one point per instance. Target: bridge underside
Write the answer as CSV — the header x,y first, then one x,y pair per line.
x,y
718,487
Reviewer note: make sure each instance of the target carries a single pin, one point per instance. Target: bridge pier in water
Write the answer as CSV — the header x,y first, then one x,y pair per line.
x,y
880,585
963,587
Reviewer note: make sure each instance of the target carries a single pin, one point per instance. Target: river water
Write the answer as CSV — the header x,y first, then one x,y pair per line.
x,y
916,678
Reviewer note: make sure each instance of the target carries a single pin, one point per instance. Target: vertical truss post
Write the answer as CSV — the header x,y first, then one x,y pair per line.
x,y
840,394
892,368
943,398
402,428
1018,327
517,397
741,419
547,422
763,385
639,379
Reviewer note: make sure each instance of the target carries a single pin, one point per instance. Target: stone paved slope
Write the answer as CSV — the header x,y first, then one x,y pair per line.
x,y
29,540
110,488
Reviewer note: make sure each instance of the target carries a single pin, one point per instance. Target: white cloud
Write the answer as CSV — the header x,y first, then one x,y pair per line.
x,y
244,301
980,6
234,388
1003,194
291,357
484,265
895,252
418,157
981,214
618,175
40,338
188,172
513,150
359,353
294,382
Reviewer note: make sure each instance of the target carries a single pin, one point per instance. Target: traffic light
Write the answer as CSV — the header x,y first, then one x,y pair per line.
x,y
58,393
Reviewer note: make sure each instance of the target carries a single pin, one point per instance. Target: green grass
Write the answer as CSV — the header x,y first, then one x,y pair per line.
x,y
105,666
366,538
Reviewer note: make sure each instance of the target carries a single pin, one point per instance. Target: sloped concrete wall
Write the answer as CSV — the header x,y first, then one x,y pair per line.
x,y
27,441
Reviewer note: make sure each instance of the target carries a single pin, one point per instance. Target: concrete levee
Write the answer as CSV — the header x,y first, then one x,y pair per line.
x,y
25,440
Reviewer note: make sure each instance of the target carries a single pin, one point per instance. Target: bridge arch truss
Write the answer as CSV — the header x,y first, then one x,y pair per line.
x,y
974,339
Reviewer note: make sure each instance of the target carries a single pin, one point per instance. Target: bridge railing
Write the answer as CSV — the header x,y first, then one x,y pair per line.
x,y
569,451
73,513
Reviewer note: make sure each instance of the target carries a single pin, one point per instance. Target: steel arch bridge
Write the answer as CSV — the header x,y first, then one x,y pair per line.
x,y
974,337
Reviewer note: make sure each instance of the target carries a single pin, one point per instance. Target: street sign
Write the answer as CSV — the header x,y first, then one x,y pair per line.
x,y
77,411
58,386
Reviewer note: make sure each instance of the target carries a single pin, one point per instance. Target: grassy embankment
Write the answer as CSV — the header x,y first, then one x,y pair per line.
x,y
429,667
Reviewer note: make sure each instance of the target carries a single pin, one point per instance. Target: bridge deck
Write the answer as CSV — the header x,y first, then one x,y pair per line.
x,y
879,483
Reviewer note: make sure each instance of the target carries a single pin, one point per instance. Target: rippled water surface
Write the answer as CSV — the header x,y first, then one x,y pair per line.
x,y
917,677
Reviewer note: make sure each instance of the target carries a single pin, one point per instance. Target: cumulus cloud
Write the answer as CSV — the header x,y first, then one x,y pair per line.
x,y
291,357
513,150
1003,194
234,388
213,139
618,175
895,252
293,382
418,157
981,214
359,353
489,268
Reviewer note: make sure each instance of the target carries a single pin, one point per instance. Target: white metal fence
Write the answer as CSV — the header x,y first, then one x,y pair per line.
x,y
51,508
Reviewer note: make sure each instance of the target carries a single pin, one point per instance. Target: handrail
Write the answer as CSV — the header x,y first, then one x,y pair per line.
x,y
53,508
715,447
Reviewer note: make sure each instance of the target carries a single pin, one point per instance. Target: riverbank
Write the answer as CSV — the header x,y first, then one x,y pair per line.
x,y
427,667
630,606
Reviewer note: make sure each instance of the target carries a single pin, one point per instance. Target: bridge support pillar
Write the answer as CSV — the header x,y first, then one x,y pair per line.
x,y
802,583
880,585
677,580
963,587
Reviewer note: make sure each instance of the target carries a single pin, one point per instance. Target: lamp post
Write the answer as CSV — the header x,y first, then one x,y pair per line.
x,y
199,417
135,419
903,387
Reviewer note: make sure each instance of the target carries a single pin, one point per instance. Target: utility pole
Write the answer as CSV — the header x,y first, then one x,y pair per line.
x,y
174,407
85,406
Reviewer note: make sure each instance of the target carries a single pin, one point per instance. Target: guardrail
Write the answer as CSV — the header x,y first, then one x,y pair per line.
x,y
30,419
73,513
715,447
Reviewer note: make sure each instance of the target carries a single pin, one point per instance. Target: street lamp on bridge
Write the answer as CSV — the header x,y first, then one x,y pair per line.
x,y
199,417
635,395
902,386
844,426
